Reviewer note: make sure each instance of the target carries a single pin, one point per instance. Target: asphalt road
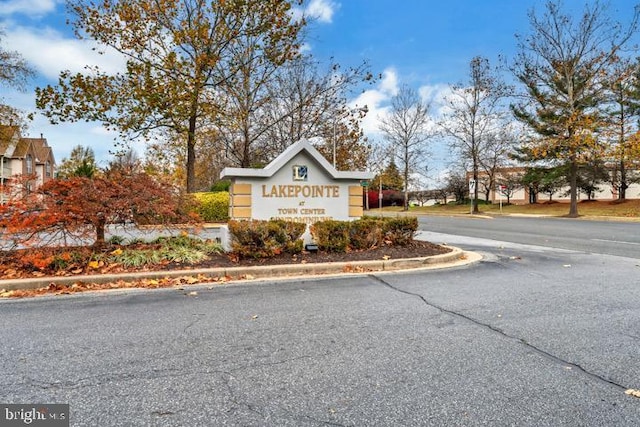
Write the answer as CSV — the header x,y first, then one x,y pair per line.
x,y
530,336
605,237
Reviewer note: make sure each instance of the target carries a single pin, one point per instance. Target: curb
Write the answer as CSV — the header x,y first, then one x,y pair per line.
x,y
454,258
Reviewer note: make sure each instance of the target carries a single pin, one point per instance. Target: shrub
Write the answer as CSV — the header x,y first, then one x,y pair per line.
x,y
260,239
291,235
183,254
366,233
116,240
221,186
185,249
331,235
401,230
136,257
212,207
389,198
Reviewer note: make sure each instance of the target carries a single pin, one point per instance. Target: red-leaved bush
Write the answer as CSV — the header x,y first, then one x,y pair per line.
x,y
84,206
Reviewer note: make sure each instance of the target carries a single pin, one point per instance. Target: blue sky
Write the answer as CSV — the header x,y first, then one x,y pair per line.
x,y
426,44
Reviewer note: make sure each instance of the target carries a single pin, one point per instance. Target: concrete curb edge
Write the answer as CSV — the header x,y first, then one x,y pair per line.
x,y
454,258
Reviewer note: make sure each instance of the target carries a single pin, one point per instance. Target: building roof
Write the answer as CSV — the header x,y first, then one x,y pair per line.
x,y
41,148
21,149
12,145
9,136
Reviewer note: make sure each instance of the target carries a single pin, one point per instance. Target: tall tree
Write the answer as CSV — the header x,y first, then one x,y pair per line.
x,y
406,128
389,179
81,162
14,72
308,102
590,176
622,110
179,53
474,118
267,113
496,155
562,66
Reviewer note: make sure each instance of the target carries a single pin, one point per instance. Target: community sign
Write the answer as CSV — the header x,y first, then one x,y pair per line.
x,y
299,185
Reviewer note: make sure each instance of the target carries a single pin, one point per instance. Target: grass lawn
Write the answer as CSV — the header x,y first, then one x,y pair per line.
x,y
629,209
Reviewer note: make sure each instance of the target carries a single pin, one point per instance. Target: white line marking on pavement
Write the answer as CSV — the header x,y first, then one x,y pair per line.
x,y
616,241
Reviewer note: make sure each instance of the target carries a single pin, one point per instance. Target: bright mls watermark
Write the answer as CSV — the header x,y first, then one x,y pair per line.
x,y
40,415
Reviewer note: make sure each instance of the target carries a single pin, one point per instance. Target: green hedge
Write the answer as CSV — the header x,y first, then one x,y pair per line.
x,y
212,207
364,233
331,235
260,239
400,231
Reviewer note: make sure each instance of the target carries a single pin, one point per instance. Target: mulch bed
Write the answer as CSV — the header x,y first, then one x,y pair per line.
x,y
416,249
10,268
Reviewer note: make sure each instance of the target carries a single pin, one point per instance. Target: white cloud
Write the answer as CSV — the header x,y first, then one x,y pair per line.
x,y
389,83
60,54
322,10
30,7
377,100
436,95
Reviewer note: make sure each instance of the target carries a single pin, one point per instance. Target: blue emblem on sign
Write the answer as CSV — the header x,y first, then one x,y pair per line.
x,y
299,173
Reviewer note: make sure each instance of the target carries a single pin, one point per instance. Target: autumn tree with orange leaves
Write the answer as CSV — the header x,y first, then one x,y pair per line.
x,y
179,55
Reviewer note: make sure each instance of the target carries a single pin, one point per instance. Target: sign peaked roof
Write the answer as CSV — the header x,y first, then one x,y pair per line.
x,y
288,154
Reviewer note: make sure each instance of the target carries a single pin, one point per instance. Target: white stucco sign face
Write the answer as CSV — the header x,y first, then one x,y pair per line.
x,y
299,185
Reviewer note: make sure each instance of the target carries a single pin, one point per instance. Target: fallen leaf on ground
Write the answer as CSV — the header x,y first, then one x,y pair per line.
x,y
633,392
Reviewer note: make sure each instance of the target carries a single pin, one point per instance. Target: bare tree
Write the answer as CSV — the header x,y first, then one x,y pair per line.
x,y
406,130
308,102
495,156
475,117
14,70
510,183
456,184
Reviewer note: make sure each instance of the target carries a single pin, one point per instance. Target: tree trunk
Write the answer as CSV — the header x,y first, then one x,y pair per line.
x,y
191,155
623,181
475,189
100,226
406,179
573,183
